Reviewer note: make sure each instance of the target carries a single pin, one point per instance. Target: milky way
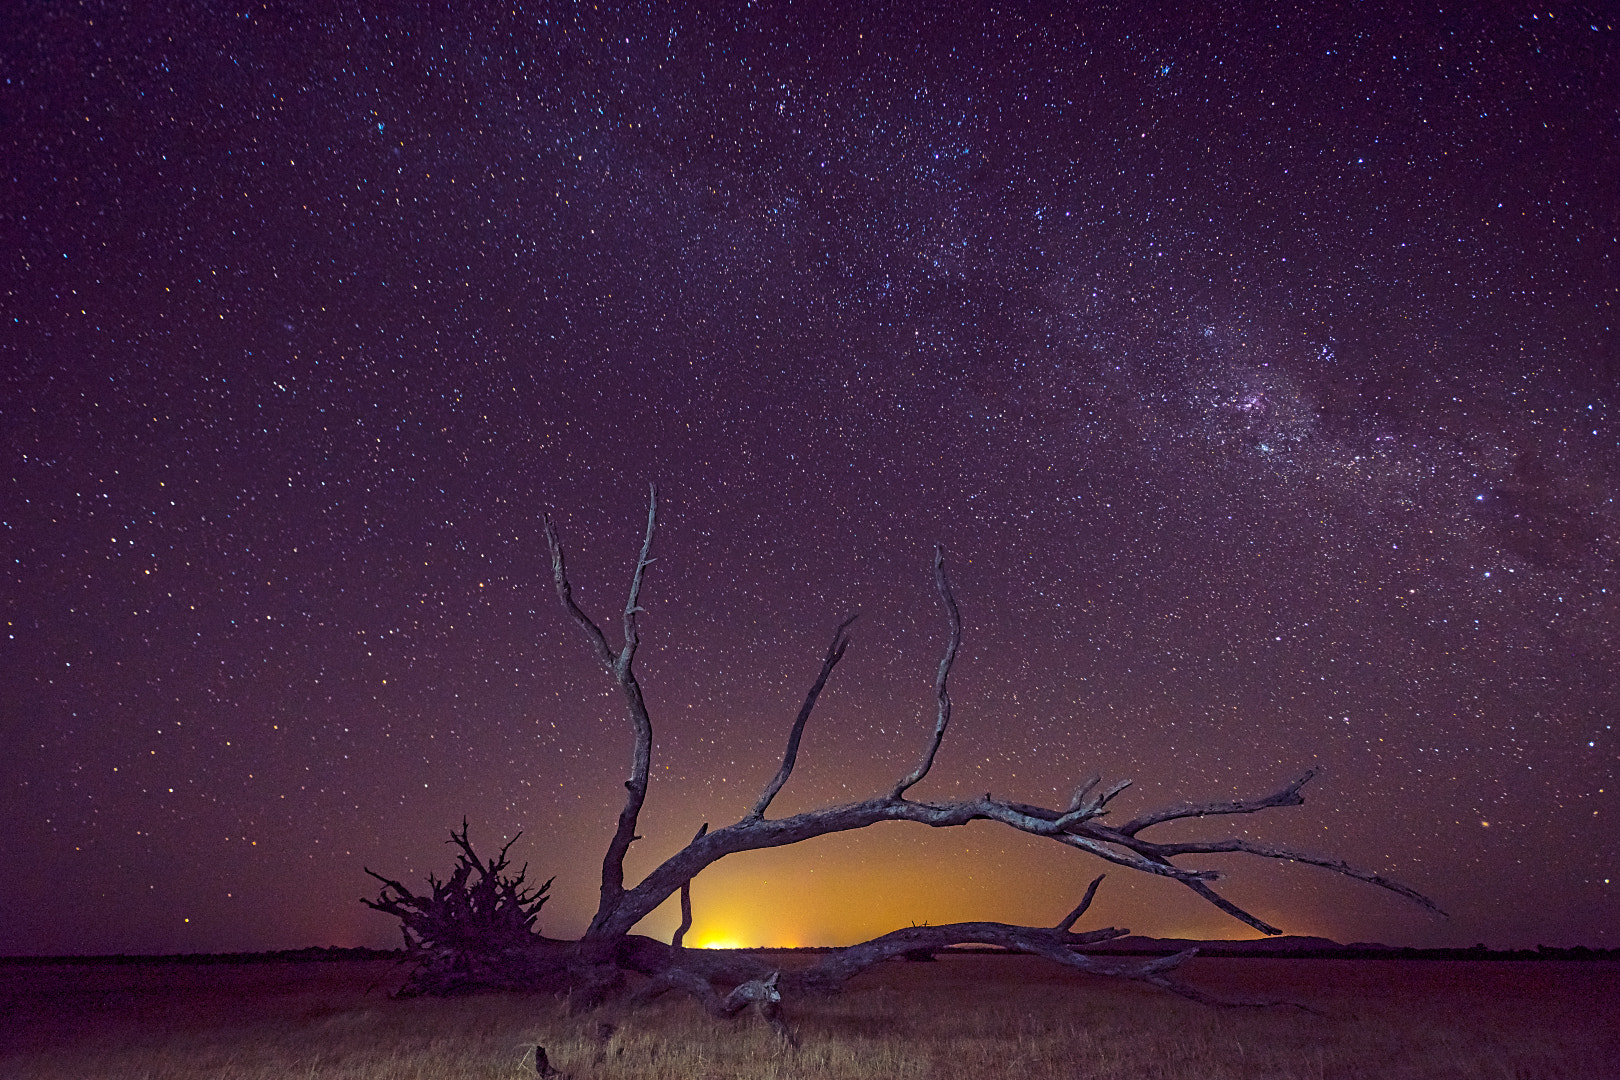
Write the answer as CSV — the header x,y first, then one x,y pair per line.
x,y
1257,373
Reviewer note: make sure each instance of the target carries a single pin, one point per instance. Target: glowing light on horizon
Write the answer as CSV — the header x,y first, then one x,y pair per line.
x,y
721,943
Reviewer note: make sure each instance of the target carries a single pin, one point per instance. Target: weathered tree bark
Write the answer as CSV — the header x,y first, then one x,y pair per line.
x,y
608,947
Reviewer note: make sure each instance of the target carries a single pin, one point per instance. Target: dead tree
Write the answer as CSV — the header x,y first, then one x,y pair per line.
x,y
474,930
726,983
1080,824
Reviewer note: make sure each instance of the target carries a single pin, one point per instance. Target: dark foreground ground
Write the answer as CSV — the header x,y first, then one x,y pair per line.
x,y
964,1016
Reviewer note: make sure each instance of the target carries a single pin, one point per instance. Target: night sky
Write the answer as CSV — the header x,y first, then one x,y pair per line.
x,y
1258,373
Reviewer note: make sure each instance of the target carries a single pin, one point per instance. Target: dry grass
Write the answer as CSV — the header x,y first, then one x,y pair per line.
x,y
977,1016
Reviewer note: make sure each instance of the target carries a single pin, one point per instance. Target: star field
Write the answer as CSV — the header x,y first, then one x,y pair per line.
x,y
1257,371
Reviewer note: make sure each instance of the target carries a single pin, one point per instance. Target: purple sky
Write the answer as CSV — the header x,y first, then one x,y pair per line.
x,y
1257,372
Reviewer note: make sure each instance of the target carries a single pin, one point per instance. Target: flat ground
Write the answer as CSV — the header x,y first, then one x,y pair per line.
x,y
966,1016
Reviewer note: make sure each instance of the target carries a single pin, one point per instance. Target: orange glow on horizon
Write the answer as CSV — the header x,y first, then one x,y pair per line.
x,y
721,943
859,888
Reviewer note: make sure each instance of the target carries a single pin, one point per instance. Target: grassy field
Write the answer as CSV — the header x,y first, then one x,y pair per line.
x,y
968,1017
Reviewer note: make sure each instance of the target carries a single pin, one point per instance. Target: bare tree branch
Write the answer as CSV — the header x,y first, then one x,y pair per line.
x,y
686,902
752,834
1288,795
835,653
620,667
954,642
832,972
1078,799
1203,889
698,975
1273,851
632,606
565,592
1085,902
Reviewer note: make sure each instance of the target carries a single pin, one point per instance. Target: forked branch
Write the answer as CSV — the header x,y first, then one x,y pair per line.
x,y
620,666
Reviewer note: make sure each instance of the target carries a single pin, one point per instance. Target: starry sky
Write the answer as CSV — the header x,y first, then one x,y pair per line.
x,y
1257,370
